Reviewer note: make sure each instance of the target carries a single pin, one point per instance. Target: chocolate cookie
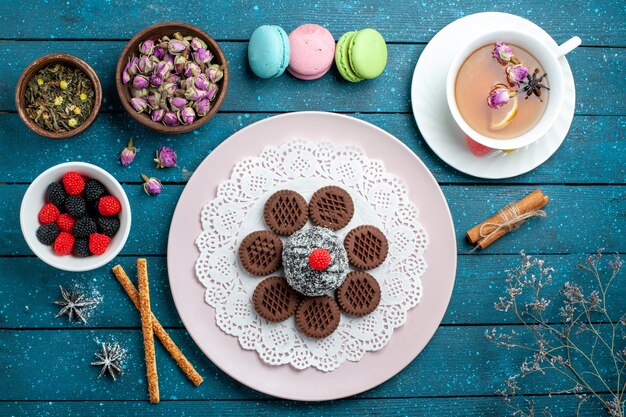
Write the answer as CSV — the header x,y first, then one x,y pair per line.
x,y
274,299
318,317
366,247
359,294
331,207
285,212
260,252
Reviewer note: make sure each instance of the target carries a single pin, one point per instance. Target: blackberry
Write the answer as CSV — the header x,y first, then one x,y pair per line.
x,y
47,233
108,225
94,190
81,247
76,206
84,227
56,194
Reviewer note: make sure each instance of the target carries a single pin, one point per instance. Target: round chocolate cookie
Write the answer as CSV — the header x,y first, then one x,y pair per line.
x,y
285,212
331,207
274,299
315,261
359,294
260,252
366,246
318,317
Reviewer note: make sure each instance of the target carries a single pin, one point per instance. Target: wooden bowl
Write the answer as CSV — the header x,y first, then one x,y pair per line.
x,y
155,32
42,62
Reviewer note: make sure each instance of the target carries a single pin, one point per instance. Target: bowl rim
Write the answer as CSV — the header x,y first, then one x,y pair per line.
x,y
176,27
54,261
30,71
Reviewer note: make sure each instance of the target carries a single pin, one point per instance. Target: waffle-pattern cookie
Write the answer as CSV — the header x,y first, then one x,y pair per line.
x,y
318,317
274,299
366,247
260,252
359,294
331,207
285,212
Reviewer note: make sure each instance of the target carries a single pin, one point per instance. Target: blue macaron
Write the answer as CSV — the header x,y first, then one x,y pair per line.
x,y
268,51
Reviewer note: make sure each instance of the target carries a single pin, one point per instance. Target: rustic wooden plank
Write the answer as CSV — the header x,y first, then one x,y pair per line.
x,y
595,71
580,218
561,405
479,283
598,23
468,363
591,153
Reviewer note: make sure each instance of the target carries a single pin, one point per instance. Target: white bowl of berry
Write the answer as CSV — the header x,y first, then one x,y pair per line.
x,y
75,216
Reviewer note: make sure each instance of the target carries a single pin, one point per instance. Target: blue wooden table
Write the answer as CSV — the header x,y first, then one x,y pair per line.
x,y
44,362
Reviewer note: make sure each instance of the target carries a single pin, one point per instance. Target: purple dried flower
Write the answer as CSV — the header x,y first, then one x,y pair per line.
x,y
176,47
170,119
162,69
516,74
503,53
194,95
197,43
215,72
191,69
157,115
202,107
156,79
178,103
128,153
151,185
173,78
145,65
133,67
159,52
202,56
146,47
140,82
169,89
212,91
154,100
169,60
499,96
138,93
201,82
187,115
139,104
179,64
165,157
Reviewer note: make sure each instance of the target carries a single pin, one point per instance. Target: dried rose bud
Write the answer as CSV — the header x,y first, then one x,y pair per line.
x,y
151,185
194,94
133,68
159,52
187,115
170,119
197,43
139,93
201,82
212,91
516,74
140,82
165,157
156,79
215,72
503,53
499,96
154,100
139,104
145,65
191,69
202,56
178,103
179,64
176,47
202,106
157,115
173,78
128,153
169,60
146,47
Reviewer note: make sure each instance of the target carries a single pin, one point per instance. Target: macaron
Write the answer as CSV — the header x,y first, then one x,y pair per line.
x,y
268,51
312,51
361,55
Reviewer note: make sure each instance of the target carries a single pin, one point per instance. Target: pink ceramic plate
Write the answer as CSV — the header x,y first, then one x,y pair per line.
x,y
375,367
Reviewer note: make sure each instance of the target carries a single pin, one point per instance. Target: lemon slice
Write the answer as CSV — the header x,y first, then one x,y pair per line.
x,y
502,117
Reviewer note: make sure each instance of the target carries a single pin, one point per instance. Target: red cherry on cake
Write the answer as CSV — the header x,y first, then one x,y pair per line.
x,y
319,259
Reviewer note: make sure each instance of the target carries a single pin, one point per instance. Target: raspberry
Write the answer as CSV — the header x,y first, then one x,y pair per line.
x,y
319,259
84,227
73,183
108,225
76,206
109,206
81,247
66,222
49,213
94,190
47,233
476,148
63,244
56,194
98,243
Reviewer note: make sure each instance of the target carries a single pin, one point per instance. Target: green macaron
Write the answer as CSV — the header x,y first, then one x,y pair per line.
x,y
342,58
368,54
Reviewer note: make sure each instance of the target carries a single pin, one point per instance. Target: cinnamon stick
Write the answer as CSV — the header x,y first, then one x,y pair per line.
x,y
167,342
146,327
492,229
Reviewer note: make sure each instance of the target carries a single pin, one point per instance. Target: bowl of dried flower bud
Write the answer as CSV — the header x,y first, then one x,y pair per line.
x,y
58,96
172,77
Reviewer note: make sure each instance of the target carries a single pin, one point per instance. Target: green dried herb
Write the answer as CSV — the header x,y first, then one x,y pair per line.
x,y
59,98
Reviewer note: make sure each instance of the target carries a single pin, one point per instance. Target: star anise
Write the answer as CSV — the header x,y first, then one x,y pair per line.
x,y
533,84
109,359
73,303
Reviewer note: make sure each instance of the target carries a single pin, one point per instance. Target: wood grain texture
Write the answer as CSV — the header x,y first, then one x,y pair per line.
x,y
593,70
592,152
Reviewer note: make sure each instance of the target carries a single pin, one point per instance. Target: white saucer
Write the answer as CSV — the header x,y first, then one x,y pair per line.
x,y
445,138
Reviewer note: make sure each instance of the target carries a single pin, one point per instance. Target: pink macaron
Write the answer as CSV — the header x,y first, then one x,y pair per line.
x,y
312,51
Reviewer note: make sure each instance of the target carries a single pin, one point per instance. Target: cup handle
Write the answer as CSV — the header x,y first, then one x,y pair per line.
x,y
568,46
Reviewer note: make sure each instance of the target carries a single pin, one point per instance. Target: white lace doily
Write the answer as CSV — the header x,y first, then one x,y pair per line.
x,y
379,198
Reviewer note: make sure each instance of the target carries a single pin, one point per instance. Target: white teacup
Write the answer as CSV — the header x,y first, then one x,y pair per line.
x,y
547,55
